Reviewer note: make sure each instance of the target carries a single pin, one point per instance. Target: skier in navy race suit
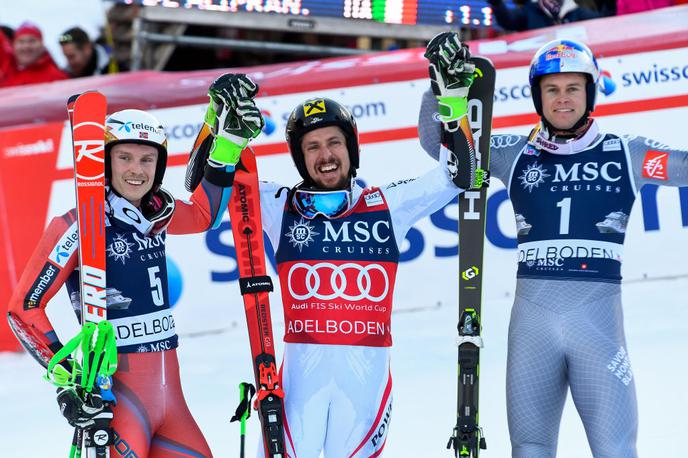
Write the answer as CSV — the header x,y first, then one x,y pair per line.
x,y
572,188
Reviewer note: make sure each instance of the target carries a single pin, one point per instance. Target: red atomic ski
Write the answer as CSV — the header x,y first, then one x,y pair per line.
x,y
255,284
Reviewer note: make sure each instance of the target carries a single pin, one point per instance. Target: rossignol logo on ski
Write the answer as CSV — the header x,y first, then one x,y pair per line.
x,y
101,437
90,153
470,273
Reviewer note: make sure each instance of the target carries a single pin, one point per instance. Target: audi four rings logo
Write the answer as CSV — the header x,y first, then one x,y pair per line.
x,y
327,281
504,141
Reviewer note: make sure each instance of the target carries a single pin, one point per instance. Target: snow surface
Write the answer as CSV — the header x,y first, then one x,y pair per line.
x,y
424,357
424,374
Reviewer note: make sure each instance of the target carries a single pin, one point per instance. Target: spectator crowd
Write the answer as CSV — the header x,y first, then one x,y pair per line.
x,y
535,14
25,60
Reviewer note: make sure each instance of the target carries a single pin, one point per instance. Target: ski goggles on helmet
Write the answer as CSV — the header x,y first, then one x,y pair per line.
x,y
330,204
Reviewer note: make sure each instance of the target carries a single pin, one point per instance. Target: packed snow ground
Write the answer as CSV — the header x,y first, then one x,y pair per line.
x,y
424,374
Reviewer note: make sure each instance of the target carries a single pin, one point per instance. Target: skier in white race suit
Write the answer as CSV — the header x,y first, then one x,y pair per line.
x,y
337,248
572,188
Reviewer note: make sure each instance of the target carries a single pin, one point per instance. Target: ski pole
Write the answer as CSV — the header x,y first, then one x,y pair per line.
x,y
243,411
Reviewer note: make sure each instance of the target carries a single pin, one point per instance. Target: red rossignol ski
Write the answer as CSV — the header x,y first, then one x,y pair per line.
x,y
94,349
255,285
87,115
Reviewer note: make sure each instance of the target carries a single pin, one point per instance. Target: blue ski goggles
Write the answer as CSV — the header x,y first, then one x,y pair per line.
x,y
329,204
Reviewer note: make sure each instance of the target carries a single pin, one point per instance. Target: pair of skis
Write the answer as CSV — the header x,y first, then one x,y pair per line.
x,y
91,356
467,438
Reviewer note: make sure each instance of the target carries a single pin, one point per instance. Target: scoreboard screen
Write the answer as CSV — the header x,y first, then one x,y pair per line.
x,y
466,13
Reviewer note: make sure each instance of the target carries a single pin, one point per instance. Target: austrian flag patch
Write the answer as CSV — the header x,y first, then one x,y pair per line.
x,y
655,165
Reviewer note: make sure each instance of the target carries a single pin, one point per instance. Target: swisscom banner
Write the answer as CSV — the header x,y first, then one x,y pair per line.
x,y
641,94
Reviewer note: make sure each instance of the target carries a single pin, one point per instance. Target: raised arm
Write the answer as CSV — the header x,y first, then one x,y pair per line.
x,y
231,121
656,163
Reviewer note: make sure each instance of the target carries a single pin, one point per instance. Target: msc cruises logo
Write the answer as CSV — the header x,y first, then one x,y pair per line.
x,y
533,175
301,234
120,248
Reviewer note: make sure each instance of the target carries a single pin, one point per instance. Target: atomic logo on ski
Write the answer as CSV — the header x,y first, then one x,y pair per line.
x,y
533,176
301,234
120,248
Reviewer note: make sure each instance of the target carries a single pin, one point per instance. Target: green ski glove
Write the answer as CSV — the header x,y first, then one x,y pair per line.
x,y
233,117
451,76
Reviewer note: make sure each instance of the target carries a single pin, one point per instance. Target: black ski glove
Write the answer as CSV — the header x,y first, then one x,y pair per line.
x,y
80,413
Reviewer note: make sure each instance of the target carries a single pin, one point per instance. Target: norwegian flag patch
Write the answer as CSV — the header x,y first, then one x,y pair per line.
x,y
143,135
655,165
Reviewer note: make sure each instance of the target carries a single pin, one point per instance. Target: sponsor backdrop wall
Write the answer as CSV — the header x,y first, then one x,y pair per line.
x,y
644,91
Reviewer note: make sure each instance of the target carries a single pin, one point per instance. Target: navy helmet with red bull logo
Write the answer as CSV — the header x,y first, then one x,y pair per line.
x,y
564,56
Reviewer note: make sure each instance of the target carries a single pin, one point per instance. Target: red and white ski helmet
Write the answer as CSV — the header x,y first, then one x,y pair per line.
x,y
136,126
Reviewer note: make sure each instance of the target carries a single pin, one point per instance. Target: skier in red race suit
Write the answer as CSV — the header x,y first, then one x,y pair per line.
x,y
337,248
150,418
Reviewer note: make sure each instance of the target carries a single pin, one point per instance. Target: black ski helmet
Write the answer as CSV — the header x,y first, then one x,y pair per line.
x,y
136,126
316,113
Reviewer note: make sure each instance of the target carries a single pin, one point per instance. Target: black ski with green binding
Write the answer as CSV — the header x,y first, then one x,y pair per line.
x,y
467,439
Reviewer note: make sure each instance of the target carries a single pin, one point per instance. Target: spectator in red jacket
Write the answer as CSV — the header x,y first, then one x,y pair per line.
x,y
31,62
6,57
